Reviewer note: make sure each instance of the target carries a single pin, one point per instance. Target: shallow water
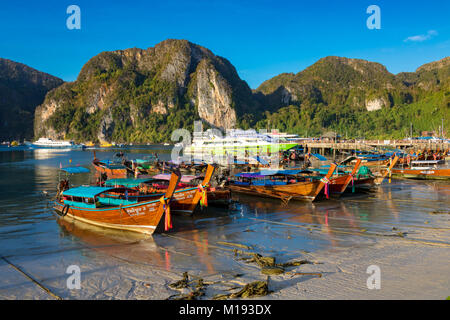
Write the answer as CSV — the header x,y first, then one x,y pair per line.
x,y
35,241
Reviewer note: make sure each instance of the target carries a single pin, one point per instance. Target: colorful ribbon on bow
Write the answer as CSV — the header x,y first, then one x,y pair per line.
x,y
204,198
167,218
327,182
390,174
353,183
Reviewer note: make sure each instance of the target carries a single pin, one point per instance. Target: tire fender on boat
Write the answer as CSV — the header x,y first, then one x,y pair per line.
x,y
64,210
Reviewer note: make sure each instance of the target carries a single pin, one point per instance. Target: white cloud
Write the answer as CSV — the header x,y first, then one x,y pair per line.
x,y
422,37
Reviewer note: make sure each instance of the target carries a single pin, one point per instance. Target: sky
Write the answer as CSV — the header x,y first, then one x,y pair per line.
x,y
260,38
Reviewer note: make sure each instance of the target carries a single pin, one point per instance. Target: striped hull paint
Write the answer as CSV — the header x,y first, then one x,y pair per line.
x,y
306,190
438,174
235,149
143,217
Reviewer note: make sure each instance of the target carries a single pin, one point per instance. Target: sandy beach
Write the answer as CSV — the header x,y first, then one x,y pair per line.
x,y
392,228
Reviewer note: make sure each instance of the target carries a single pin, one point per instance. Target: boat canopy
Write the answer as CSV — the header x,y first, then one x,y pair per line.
x,y
86,192
285,172
126,182
265,173
319,156
426,161
249,175
184,178
77,169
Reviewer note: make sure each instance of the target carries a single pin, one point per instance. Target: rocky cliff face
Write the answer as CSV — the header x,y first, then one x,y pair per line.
x,y
22,89
142,95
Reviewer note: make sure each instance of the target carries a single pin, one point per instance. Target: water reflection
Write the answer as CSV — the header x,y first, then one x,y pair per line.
x,y
33,235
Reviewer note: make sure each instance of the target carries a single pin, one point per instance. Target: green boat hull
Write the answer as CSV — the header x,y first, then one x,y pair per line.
x,y
233,150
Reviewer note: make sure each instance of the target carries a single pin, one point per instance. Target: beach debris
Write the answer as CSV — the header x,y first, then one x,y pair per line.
x,y
306,274
252,289
197,291
440,212
183,283
231,244
272,270
269,266
296,263
261,260
397,234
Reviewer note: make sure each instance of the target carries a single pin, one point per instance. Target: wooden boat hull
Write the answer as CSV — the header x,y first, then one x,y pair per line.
x,y
142,218
434,174
364,183
339,184
184,201
295,191
375,163
111,173
219,197
304,190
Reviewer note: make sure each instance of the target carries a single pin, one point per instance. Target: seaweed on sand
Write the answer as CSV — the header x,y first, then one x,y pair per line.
x,y
269,266
252,289
196,292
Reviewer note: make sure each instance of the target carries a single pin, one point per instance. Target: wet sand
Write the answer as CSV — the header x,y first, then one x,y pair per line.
x,y
402,227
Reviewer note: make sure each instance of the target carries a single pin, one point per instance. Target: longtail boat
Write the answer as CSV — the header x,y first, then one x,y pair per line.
x,y
284,185
110,207
217,196
423,169
111,169
185,199
339,184
388,171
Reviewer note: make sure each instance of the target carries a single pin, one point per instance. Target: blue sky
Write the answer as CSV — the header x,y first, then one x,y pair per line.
x,y
260,38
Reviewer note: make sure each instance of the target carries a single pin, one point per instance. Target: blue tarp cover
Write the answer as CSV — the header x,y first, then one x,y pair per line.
x,y
86,192
127,182
320,157
75,169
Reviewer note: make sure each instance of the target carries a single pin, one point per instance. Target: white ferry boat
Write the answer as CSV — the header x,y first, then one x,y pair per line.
x,y
49,143
238,142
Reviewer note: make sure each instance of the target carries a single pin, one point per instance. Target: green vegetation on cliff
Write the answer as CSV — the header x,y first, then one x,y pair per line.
x,y
141,96
337,94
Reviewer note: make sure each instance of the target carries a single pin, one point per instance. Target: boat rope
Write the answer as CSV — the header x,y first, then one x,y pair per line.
x,y
48,291
353,182
326,181
204,198
167,217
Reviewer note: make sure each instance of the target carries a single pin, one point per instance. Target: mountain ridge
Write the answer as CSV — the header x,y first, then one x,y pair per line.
x,y
22,88
142,95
